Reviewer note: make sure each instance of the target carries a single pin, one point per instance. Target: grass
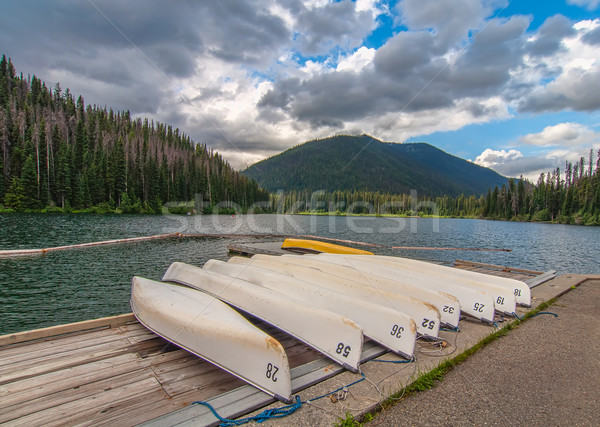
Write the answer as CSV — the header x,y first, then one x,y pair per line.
x,y
429,380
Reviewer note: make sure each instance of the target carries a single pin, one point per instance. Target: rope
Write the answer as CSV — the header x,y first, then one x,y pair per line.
x,y
263,416
284,410
544,312
455,329
412,359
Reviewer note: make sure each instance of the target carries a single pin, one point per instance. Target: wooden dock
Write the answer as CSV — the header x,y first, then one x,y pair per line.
x,y
114,371
117,372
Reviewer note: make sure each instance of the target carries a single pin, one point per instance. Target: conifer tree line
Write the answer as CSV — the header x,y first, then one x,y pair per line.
x,y
58,154
572,197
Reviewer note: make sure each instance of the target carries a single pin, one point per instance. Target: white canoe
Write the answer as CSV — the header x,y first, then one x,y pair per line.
x,y
447,305
473,302
212,330
389,328
323,330
426,316
519,288
504,298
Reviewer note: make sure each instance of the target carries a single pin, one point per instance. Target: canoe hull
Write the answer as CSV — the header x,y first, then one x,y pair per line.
x,y
214,332
321,329
519,288
426,316
376,321
315,246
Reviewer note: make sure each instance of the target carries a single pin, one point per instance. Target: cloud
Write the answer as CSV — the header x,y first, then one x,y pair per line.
x,y
356,62
513,163
550,35
491,157
588,4
555,145
562,134
567,80
449,21
332,25
409,74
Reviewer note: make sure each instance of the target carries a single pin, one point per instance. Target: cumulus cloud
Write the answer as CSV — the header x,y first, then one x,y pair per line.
x,y
360,59
566,81
588,4
563,134
554,145
513,163
491,157
450,21
550,35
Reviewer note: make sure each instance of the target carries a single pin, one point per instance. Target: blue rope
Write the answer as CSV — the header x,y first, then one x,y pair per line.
x,y
412,359
284,410
263,416
536,314
544,312
455,329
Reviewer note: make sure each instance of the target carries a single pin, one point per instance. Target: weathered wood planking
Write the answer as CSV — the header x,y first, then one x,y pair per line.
x,y
118,372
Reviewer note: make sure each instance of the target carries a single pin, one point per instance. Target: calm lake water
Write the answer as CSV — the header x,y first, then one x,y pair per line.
x,y
81,284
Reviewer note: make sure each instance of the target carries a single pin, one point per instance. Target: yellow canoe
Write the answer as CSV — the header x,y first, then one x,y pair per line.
x,y
315,246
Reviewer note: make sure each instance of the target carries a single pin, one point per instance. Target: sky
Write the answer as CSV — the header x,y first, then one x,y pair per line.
x,y
511,85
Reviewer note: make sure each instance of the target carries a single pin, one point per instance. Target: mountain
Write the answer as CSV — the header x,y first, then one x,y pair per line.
x,y
57,152
367,164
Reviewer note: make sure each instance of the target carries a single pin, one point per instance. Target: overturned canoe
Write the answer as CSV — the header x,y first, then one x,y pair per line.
x,y
447,305
315,246
321,329
426,316
504,299
212,330
384,325
519,288
473,302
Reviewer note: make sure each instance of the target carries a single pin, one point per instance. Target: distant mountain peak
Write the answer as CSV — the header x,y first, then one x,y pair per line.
x,y
362,162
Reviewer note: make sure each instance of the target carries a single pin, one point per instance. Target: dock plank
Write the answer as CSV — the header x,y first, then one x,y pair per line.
x,y
54,362
86,407
137,411
34,387
41,353
41,344
205,380
104,322
73,391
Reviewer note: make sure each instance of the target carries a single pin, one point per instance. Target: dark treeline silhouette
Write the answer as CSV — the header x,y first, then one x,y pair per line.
x,y
58,154
572,198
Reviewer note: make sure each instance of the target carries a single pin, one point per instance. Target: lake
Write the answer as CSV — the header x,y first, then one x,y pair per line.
x,y
81,284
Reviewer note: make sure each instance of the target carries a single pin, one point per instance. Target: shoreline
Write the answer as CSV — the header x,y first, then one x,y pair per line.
x,y
91,211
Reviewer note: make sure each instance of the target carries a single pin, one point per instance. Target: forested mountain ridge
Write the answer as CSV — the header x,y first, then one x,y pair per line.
x,y
57,152
363,163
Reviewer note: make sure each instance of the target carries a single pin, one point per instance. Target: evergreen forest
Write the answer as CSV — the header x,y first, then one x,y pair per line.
x,y
57,154
572,198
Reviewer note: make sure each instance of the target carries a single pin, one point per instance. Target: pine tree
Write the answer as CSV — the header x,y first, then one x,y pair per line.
x,y
29,183
15,197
